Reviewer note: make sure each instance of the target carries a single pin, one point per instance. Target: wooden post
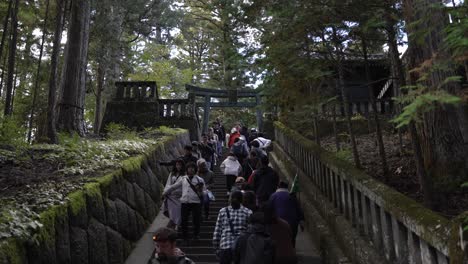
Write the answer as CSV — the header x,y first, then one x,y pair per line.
x,y
206,114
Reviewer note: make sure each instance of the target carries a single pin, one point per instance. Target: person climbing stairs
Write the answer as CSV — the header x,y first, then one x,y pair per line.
x,y
201,250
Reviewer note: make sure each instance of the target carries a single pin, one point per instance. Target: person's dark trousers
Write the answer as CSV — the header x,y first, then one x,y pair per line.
x,y
225,256
294,229
206,205
195,209
230,179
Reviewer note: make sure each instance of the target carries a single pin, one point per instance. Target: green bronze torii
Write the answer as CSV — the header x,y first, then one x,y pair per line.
x,y
232,96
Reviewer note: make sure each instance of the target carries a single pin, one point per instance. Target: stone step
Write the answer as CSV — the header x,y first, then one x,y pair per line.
x,y
202,242
197,250
199,258
203,235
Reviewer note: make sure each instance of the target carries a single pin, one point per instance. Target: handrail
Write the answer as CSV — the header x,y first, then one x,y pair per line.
x,y
400,228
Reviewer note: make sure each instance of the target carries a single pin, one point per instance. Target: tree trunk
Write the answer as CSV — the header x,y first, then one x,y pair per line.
x,y
444,143
71,106
335,129
3,75
378,129
99,89
36,85
316,128
2,42
11,61
357,162
52,96
339,65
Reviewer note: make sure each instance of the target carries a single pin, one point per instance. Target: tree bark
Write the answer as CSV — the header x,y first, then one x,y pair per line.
x,y
99,89
444,145
316,128
36,85
52,96
378,129
339,65
71,106
11,61
2,42
335,129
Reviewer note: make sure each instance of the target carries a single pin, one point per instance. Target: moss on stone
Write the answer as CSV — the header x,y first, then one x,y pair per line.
x,y
46,234
12,251
77,201
133,164
93,189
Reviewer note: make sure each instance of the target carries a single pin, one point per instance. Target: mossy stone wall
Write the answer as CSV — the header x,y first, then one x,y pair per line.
x,y
101,222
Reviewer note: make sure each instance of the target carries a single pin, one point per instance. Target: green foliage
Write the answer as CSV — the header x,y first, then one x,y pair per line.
x,y
345,154
118,131
12,133
456,40
419,101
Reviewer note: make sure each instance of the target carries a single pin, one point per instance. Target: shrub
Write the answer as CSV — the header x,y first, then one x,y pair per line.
x,y
12,133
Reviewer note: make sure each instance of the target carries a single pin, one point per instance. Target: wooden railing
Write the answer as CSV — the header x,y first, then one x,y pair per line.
x,y
401,229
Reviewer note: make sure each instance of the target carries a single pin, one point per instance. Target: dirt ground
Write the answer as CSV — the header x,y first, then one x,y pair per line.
x,y
401,166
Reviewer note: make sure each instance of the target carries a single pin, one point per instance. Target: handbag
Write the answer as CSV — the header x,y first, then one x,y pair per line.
x,y
211,196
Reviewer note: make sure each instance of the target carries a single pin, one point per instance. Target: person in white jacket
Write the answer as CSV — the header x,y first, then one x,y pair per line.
x,y
231,168
192,194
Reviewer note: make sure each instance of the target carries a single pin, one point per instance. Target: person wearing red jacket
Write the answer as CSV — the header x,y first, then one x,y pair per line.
x,y
234,134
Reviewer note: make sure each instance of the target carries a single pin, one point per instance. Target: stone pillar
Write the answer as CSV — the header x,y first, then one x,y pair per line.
x,y
206,114
258,100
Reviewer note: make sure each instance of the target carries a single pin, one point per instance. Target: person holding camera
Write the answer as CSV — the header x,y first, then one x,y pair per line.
x,y
191,200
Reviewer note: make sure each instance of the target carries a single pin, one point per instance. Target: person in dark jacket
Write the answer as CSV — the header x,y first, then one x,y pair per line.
x,y
188,156
249,201
255,246
287,207
250,164
206,150
281,235
166,251
264,181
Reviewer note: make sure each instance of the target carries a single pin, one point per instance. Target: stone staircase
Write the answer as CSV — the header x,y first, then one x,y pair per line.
x,y
201,251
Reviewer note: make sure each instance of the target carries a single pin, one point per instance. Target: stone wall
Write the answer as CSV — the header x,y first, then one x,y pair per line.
x,y
101,222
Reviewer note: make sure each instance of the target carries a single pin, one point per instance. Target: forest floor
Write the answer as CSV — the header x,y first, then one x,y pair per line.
x,y
402,168
36,177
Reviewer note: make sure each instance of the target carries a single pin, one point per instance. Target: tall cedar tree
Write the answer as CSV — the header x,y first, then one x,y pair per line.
x,y
444,143
11,61
71,106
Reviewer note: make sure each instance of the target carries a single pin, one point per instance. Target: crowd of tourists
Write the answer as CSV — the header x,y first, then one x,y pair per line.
x,y
261,222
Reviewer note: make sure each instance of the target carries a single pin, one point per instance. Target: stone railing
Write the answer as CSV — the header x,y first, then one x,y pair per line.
x,y
400,229
176,108
138,91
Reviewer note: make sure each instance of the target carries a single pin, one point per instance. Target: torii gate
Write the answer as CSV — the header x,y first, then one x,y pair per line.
x,y
232,95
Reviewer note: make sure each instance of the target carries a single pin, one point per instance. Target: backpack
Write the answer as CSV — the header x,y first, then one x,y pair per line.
x,y
256,248
238,150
